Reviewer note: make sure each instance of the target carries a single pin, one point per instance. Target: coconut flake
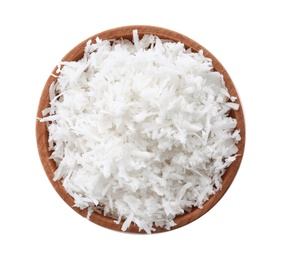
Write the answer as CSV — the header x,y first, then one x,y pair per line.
x,y
140,130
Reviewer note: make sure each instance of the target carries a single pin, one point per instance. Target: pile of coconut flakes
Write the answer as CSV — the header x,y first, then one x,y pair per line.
x,y
140,130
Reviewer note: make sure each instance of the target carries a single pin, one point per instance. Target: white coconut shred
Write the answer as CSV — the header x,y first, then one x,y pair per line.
x,y
140,130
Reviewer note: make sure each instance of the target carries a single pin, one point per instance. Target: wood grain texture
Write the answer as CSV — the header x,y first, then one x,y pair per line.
x,y
126,33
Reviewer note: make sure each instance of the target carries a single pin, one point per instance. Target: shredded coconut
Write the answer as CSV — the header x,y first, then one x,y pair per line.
x,y
140,131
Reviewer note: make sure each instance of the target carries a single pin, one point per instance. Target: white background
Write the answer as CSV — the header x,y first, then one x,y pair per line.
x,y
37,224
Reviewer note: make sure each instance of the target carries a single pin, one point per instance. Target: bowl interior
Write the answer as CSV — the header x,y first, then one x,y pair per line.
x,y
126,33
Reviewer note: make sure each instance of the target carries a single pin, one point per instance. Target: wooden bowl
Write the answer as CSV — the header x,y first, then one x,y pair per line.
x,y
126,32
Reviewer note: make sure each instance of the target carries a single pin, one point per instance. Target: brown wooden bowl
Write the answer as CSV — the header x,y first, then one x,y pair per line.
x,y
126,33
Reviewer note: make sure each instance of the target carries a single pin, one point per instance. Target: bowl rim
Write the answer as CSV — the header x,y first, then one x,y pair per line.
x,y
125,32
